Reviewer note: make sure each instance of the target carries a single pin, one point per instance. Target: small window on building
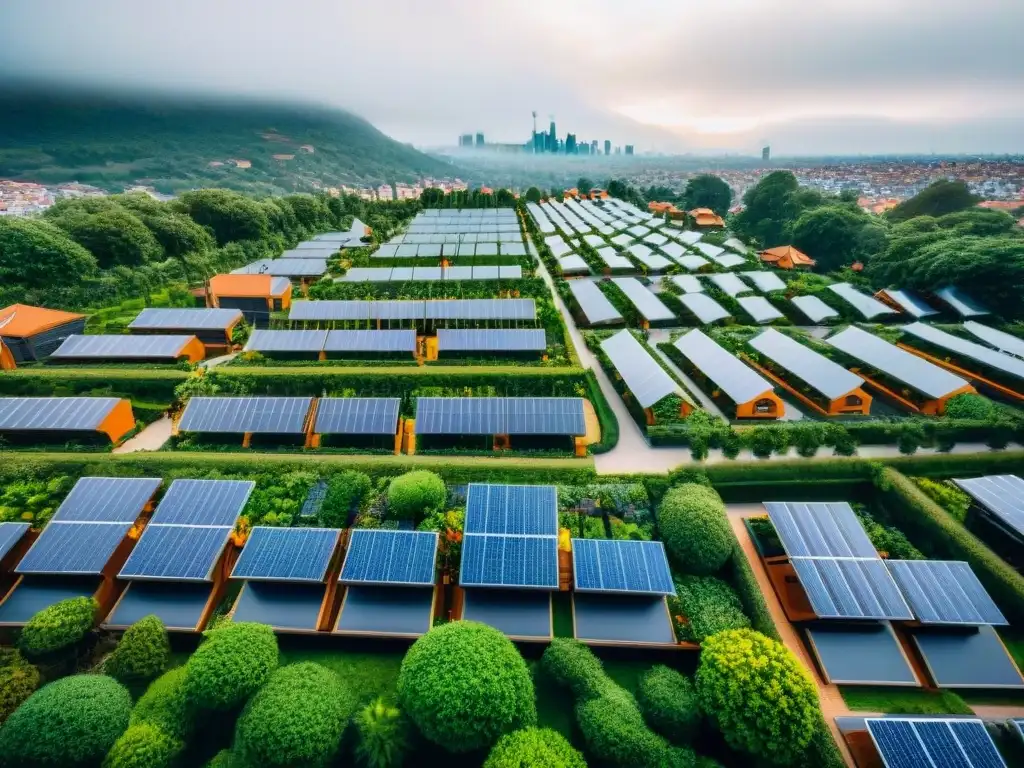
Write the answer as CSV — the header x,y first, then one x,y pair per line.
x,y
764,406
853,400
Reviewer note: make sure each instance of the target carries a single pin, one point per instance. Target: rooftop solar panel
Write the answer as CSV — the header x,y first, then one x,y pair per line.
x,y
814,308
107,499
367,275
80,548
481,309
400,340
387,251
622,240
729,260
821,374
909,303
612,259
656,239
357,416
646,303
176,553
688,283
868,306
203,502
945,592
673,250
692,262
55,414
526,510
573,265
766,282
644,377
933,743
485,273
1004,342
760,309
734,378
1006,364
10,535
850,588
709,250
689,237
557,245
594,304
324,252
238,415
425,274
492,340
287,554
819,529
736,245
647,257
925,377
185,319
121,347
961,303
729,284
486,249
621,566
513,249
284,341
500,416
1002,495
404,558
294,267
525,562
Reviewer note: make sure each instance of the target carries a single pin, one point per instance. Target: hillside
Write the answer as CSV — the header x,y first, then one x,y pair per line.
x,y
176,144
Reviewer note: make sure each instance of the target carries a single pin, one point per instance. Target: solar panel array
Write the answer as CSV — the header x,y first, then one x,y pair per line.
x,y
688,283
121,347
760,309
740,383
850,588
1004,342
945,592
645,378
527,510
203,502
1002,495
286,554
106,500
729,284
420,274
420,310
819,529
390,557
904,742
156,318
357,416
868,306
492,340
646,303
314,342
573,265
285,341
814,308
55,414
961,303
593,303
910,303
500,416
638,567
766,282
238,415
297,267
10,535
817,371
1005,364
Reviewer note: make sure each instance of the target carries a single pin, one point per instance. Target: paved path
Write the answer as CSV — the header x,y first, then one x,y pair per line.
x,y
152,438
213,362
998,712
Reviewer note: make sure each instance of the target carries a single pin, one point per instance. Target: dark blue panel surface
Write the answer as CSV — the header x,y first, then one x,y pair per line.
x,y
967,658
819,529
357,416
850,588
107,499
237,415
516,613
402,611
943,743
179,606
390,557
945,592
622,619
500,416
287,554
10,534
282,606
621,566
37,592
509,561
869,655
512,509
176,553
203,502
60,414
79,548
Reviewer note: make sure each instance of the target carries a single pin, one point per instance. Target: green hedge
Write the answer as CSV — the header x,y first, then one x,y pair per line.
x,y
605,416
742,578
136,384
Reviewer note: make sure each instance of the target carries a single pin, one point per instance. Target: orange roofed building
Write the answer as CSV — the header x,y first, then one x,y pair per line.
x,y
255,295
32,333
705,217
786,257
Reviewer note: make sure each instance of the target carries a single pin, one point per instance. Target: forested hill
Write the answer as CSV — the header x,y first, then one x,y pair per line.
x,y
175,144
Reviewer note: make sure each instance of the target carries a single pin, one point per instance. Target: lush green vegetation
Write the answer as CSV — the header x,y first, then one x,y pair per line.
x,y
899,701
534,748
230,666
58,627
143,653
693,525
416,494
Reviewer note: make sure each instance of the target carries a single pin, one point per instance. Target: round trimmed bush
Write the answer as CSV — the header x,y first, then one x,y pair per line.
x,y
73,721
695,530
464,685
758,695
165,705
668,702
616,734
143,746
58,626
233,662
573,665
18,681
297,718
414,494
534,748
383,735
142,654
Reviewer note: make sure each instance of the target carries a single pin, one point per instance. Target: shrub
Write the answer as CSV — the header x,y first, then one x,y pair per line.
x,y
888,539
534,748
910,438
464,685
73,721
695,530
573,665
699,445
668,702
142,654
346,492
57,627
18,681
971,406
383,735
165,705
616,735
732,443
143,746
710,604
233,662
762,441
844,443
297,718
952,499
226,758
757,694
416,494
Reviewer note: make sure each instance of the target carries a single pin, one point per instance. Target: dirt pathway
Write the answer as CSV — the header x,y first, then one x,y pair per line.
x,y
152,438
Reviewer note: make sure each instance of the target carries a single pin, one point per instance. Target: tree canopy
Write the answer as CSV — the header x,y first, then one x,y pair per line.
x,y
835,236
707,191
937,199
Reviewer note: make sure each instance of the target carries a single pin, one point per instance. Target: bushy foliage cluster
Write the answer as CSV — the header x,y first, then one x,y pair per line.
x,y
668,701
383,733
346,493
165,705
142,654
230,665
709,604
694,527
18,681
58,627
416,494
888,539
143,746
534,748
33,501
946,495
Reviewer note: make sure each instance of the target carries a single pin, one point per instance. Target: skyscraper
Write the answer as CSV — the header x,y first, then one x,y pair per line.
x,y
466,140
480,140
629,149
607,146
570,143
766,153
553,136
593,147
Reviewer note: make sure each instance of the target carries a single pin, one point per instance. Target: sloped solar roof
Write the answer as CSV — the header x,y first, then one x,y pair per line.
x,y
692,262
1004,342
814,308
646,303
295,267
284,341
1002,495
730,284
689,237
766,282
736,245
521,510
910,303
390,557
310,252
237,415
437,309
945,592
819,529
121,346
176,553
357,415
55,414
850,588
500,416
929,379
646,256
1011,366
107,500
573,265
868,306
287,554
704,307
614,261
400,340
491,340
817,371
729,260
647,380
557,245
734,378
190,319
759,308
608,566
10,535
595,305
73,548
961,303
203,502
904,742
688,283
709,250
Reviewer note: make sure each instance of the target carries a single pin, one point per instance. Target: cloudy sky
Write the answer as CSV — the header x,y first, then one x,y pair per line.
x,y
808,76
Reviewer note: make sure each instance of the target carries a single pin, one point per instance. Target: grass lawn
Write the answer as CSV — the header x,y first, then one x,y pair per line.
x,y
369,674
909,701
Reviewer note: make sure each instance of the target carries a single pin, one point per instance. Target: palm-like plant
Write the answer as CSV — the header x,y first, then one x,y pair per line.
x,y
383,735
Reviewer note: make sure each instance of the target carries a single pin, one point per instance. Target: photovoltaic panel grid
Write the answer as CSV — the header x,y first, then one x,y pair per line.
x,y
523,562
491,340
203,502
528,510
60,414
179,319
121,346
904,742
107,499
176,553
73,548
646,379
357,416
500,416
621,566
10,534
850,588
286,554
237,415
819,529
390,557
945,592
1002,495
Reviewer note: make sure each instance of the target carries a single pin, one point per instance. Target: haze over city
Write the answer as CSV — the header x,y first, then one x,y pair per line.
x,y
810,79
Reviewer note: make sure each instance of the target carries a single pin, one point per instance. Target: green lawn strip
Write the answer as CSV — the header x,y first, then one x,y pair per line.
x,y
909,701
562,613
554,704
367,674
424,370
1014,642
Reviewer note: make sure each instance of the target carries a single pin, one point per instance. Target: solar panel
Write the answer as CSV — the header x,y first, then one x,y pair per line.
x,y
759,308
868,306
647,257
817,371
644,377
176,552
492,340
1011,366
107,499
735,379
850,588
945,592
387,251
557,245
709,250
527,510
689,237
819,529
371,341
486,249
155,318
481,309
10,535
368,275
909,303
656,239
729,260
357,416
961,303
814,308
287,554
529,562
593,303
692,262
904,742
121,347
705,308
1004,342
390,557
738,246
73,548
500,416
203,502
688,283
925,377
621,566
325,251
426,274
766,282
57,414
730,284
649,305
294,267
1002,495
573,265
238,415
513,249
284,341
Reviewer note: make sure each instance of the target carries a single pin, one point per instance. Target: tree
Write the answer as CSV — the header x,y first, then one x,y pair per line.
x,y
668,702
432,197
39,260
534,748
383,735
143,746
533,195
572,665
143,653
584,185
615,733
758,695
980,222
58,626
178,234
114,237
311,212
937,199
707,191
768,209
230,665
416,494
695,529
830,235
465,685
229,215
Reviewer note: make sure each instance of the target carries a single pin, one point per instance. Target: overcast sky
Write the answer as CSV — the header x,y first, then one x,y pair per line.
x,y
808,76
